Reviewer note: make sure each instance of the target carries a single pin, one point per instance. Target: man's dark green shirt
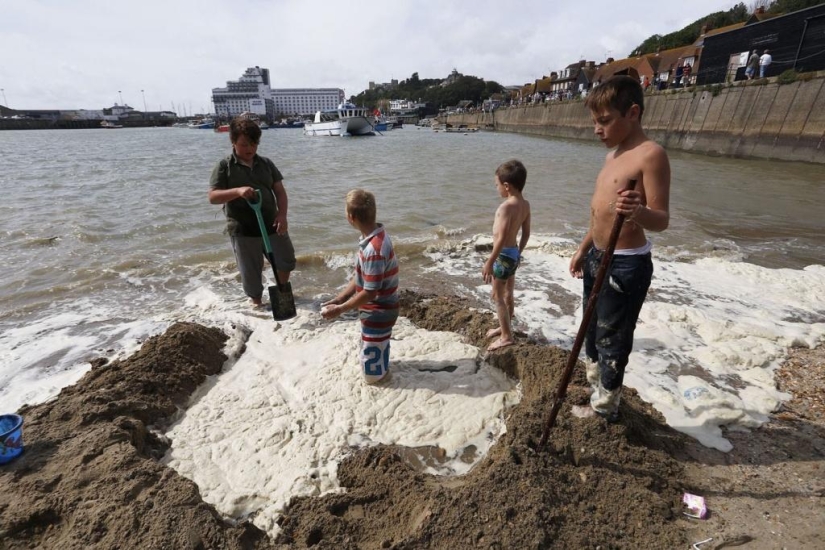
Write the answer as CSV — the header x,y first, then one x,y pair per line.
x,y
229,173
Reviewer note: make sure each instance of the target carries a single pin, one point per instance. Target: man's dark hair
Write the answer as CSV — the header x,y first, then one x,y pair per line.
x,y
242,126
512,172
617,92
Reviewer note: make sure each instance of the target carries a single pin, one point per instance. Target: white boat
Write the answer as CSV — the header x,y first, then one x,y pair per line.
x,y
109,125
347,120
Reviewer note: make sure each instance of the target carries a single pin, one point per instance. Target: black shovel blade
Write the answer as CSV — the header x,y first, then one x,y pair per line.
x,y
282,301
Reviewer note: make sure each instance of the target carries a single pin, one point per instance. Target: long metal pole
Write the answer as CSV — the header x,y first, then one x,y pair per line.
x,y
144,103
121,97
607,258
5,102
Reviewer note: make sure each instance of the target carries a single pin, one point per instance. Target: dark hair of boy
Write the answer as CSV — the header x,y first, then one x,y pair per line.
x,y
361,206
242,126
619,93
512,172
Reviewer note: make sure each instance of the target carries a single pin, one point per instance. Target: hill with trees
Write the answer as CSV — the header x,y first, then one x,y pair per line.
x,y
737,14
433,91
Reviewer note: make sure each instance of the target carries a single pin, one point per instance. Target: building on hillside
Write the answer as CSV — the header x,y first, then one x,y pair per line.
x,y
306,101
250,93
386,85
796,41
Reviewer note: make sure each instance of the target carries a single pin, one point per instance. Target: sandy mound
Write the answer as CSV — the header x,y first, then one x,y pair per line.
x,y
90,477
595,485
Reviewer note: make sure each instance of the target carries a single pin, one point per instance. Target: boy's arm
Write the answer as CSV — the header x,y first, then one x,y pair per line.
x,y
499,228
354,300
279,190
576,269
525,233
348,291
219,193
655,216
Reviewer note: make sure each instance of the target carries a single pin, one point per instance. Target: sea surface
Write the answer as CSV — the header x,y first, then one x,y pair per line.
x,y
107,237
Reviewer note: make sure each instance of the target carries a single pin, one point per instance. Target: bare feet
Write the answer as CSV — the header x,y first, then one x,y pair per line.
x,y
499,344
256,302
493,332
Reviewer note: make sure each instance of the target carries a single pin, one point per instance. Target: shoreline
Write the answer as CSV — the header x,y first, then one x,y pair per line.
x,y
91,476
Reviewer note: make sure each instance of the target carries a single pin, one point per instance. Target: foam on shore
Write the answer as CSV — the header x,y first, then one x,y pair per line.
x,y
709,337
278,421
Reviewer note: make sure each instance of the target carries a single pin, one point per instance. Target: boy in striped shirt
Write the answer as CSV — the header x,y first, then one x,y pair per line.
x,y
373,288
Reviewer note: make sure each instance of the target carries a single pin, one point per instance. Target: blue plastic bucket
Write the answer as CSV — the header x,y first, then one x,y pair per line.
x,y
11,437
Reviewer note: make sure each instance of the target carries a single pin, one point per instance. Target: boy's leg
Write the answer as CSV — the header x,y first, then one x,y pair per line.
x,y
376,331
510,297
620,302
503,312
250,262
284,254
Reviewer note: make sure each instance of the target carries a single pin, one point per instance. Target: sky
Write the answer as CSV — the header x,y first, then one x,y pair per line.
x,y
90,54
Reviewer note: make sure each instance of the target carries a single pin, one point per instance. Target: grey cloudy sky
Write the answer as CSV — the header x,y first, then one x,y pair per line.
x,y
68,54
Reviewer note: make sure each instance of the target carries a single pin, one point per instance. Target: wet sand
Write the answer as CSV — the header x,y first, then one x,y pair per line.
x,y
90,475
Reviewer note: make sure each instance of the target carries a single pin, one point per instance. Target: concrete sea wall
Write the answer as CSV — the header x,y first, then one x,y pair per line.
x,y
784,122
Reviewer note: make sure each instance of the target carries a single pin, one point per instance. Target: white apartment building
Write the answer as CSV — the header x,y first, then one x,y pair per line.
x,y
306,101
250,93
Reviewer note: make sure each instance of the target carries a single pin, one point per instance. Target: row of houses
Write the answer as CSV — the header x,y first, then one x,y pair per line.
x,y
795,40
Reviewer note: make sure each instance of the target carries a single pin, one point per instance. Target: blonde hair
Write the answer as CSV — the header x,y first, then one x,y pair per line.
x,y
361,206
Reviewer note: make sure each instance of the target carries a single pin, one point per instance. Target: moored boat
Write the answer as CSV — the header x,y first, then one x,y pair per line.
x,y
347,120
203,124
109,125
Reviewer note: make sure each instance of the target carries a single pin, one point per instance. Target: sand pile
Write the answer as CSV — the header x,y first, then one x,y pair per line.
x,y
90,476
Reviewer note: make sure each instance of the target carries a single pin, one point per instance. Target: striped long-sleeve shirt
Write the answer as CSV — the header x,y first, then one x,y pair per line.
x,y
377,270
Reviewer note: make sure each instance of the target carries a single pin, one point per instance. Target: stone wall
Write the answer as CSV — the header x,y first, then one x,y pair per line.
x,y
758,120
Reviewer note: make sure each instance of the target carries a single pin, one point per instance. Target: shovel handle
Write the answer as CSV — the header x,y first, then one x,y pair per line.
x,y
256,206
573,358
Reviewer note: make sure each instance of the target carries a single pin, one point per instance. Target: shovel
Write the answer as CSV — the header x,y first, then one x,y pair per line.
x,y
604,267
280,296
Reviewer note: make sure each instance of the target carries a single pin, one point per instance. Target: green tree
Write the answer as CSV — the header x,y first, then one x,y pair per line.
x,y
688,35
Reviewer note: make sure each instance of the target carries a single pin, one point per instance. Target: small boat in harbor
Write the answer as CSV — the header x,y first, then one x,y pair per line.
x,y
203,124
288,123
109,125
346,120
222,128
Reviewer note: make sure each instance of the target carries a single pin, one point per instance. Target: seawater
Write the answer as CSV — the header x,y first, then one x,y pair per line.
x,y
107,237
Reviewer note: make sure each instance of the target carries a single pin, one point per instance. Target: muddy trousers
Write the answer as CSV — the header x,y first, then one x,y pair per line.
x,y
609,337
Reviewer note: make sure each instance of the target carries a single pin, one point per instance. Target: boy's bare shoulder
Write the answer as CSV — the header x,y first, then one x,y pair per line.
x,y
651,149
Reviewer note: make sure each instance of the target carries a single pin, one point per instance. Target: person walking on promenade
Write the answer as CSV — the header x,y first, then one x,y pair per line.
x,y
764,62
235,179
512,216
753,64
616,108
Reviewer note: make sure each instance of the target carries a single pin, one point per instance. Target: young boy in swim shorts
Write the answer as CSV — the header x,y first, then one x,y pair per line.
x,y
616,107
373,289
511,216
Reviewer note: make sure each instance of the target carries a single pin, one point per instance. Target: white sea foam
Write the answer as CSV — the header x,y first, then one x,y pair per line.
x,y
43,356
276,423
709,337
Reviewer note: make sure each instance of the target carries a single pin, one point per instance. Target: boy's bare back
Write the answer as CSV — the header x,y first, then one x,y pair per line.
x,y
645,162
511,216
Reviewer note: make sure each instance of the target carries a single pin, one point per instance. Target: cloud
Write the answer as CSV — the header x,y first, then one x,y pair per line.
x,y
87,53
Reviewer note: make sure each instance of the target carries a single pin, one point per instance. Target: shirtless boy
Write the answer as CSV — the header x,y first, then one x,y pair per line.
x,y
616,107
512,215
